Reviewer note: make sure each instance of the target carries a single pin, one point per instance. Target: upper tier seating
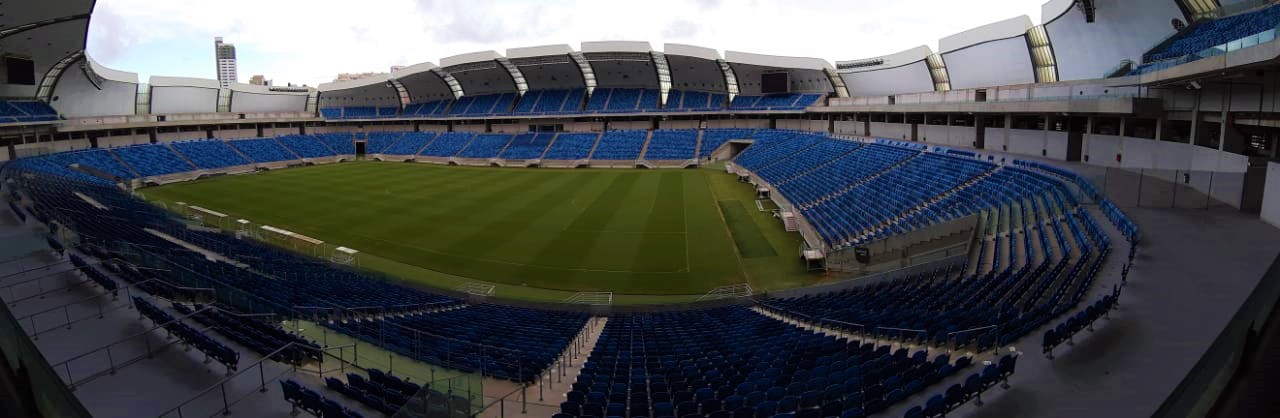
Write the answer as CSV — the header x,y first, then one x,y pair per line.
x,y
210,154
668,144
732,362
361,112
550,101
785,101
694,100
1212,32
447,144
620,100
486,146
380,141
305,146
432,108
12,111
487,104
410,143
341,143
99,159
528,146
620,145
519,343
263,150
571,146
152,160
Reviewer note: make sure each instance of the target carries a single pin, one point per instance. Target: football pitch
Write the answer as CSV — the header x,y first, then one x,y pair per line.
x,y
532,233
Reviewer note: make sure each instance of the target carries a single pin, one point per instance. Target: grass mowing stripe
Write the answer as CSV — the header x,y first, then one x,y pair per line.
x,y
750,241
663,252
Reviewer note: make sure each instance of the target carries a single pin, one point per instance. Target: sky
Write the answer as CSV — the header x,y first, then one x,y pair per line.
x,y
311,41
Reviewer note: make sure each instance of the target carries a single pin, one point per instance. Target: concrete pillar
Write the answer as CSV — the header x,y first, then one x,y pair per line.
x,y
1195,121
1084,140
1160,126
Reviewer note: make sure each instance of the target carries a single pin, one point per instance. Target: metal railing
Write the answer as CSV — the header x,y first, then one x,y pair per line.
x,y
112,364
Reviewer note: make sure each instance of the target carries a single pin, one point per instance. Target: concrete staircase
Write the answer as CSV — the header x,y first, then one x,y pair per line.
x,y
645,148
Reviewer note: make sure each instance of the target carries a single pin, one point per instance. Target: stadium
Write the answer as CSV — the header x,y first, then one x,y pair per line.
x,y
1075,216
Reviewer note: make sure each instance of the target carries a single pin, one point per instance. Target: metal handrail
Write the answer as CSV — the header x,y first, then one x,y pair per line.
x,y
222,383
66,364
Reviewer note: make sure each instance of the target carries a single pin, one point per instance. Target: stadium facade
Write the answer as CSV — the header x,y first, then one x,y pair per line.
x,y
1114,142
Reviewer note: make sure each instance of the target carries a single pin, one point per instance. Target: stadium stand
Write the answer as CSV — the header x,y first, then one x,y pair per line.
x,y
571,146
305,146
486,146
379,142
263,150
14,111
499,341
434,108
487,104
410,143
714,138
261,337
620,145
550,101
188,335
528,146
695,101
152,160
734,362
672,145
447,144
619,100
341,143
209,154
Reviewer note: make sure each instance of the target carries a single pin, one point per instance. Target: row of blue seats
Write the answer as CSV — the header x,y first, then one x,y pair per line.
x,y
620,145
528,146
672,144
784,101
258,336
1078,322
571,146
308,400
556,102
1212,32
360,112
187,334
384,398
486,146
695,100
1117,217
12,111
95,275
972,389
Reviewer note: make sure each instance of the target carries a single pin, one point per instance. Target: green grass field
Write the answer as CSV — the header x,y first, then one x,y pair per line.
x,y
535,233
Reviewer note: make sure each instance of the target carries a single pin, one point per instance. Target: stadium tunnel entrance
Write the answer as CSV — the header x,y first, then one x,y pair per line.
x,y
360,150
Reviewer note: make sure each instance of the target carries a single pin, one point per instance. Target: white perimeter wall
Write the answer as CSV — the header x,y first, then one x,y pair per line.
x,y
899,131
165,100
910,78
180,136
1271,196
256,102
990,64
77,98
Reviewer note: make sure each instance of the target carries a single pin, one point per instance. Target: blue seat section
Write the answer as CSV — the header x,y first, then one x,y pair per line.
x,y
695,100
262,337
785,101
575,146
388,111
772,147
841,172
486,146
622,100
308,400
574,101
98,159
188,335
487,104
432,108
672,144
26,111
528,146
499,341
550,102
305,146
379,142
152,160
410,143
331,112
806,160
732,361
1213,32
359,112
263,150
1063,251
447,144
620,145
385,393
342,143
1117,217
714,138
209,154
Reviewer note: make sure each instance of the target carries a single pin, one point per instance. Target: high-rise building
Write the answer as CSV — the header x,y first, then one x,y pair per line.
x,y
226,56
259,80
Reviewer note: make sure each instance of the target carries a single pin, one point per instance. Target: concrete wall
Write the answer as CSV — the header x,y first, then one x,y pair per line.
x,y
256,102
739,123
182,136
899,131
1271,196
803,125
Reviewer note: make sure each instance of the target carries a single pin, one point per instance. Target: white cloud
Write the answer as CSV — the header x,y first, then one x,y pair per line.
x,y
309,41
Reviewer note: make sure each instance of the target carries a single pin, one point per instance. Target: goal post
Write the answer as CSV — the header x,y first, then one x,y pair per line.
x,y
292,239
344,255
